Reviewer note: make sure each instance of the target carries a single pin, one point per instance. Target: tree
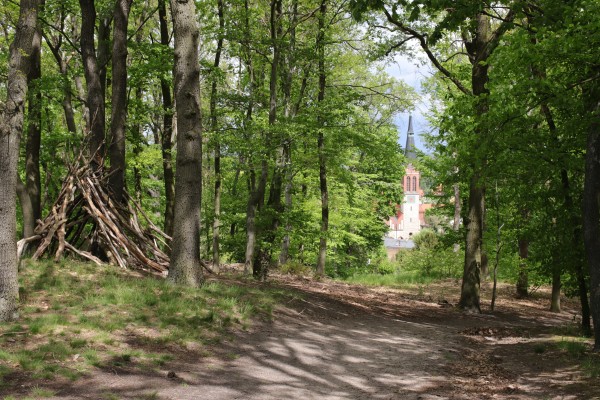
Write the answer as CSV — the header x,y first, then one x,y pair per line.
x,y
11,128
185,265
119,101
94,80
321,143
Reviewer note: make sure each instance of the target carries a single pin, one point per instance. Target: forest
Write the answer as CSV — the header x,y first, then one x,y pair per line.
x,y
177,139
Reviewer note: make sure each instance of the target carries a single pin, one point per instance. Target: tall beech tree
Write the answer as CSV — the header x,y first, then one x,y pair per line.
x,y
116,178
167,128
185,265
321,259
34,132
11,127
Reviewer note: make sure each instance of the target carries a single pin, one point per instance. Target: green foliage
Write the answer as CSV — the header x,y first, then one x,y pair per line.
x,y
431,262
295,268
398,279
426,239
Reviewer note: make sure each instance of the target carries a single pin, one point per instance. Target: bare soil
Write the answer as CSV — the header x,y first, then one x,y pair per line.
x,y
332,340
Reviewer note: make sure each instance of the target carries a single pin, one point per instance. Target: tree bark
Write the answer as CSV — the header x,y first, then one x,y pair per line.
x,y
116,179
289,114
523,281
321,260
95,91
479,51
556,285
263,258
11,128
167,132
469,293
34,134
591,196
217,142
185,265
26,208
256,194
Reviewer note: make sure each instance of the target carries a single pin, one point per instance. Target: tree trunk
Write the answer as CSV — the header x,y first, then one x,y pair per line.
x,y
95,91
523,281
289,113
574,222
591,196
26,208
469,295
62,63
255,198
116,180
258,257
185,265
67,103
285,243
457,209
470,289
264,255
321,144
586,327
34,134
217,142
556,285
11,128
104,22
167,132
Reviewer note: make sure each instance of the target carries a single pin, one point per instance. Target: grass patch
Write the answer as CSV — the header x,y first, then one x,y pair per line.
x,y
39,392
77,316
578,348
398,279
575,348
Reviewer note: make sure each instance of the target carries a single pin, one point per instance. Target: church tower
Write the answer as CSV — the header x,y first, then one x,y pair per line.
x,y
410,215
411,219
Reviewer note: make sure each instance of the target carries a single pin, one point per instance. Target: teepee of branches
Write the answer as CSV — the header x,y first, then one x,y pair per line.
x,y
86,222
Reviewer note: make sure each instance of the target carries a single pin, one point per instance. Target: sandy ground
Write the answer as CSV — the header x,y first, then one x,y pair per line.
x,y
337,341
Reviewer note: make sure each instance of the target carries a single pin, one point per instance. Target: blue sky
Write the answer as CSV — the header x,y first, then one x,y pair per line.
x,y
407,70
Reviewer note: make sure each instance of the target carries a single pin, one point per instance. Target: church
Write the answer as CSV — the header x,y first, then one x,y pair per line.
x,y
410,215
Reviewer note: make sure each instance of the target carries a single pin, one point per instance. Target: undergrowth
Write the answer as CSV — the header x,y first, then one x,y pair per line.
x,y
578,348
397,279
77,316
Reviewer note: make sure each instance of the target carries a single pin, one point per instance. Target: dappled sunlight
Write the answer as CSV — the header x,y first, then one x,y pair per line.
x,y
353,344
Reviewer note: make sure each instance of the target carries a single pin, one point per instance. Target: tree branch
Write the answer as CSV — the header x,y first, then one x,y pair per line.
x,y
423,42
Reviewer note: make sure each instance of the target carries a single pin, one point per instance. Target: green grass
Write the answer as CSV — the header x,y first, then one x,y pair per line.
x,y
575,348
578,348
398,279
77,316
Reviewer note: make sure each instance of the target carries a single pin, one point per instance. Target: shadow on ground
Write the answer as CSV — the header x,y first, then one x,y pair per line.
x,y
320,347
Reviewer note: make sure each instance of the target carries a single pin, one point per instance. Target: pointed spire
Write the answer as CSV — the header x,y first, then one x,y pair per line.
x,y
409,150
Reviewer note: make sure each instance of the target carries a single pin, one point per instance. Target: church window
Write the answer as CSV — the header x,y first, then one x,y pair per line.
x,y
414,183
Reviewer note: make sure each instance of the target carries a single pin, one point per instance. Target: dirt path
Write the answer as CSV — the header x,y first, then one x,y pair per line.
x,y
336,341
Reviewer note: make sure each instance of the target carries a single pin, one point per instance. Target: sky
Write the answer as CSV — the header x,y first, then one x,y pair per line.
x,y
412,74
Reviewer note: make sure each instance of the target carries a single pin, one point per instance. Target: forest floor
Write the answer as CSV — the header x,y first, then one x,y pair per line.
x,y
332,340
